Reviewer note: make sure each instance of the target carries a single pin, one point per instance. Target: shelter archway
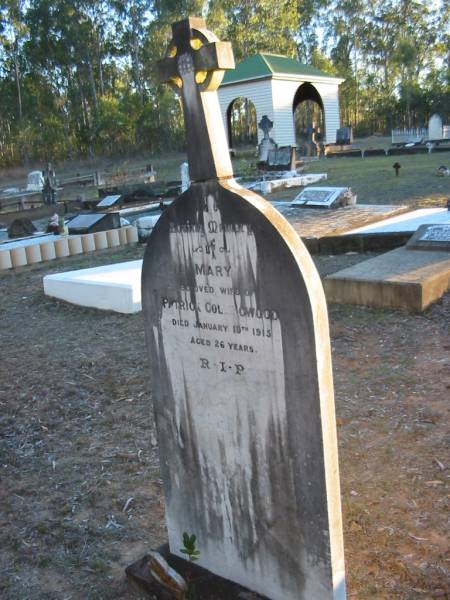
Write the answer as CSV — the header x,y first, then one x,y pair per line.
x,y
309,115
242,123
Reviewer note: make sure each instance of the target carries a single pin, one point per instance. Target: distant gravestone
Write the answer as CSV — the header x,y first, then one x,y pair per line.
x,y
281,159
430,237
109,201
344,136
240,357
435,127
267,143
92,222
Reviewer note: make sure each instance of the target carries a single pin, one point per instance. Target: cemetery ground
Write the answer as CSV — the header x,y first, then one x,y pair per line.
x,y
81,496
372,178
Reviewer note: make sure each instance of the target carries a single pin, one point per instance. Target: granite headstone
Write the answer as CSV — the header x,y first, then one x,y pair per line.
x,y
281,159
93,222
237,330
431,237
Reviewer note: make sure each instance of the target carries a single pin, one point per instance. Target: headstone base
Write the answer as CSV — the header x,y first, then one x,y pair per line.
x,y
206,584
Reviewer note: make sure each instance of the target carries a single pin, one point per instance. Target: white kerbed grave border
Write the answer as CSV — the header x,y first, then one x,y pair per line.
x,y
48,249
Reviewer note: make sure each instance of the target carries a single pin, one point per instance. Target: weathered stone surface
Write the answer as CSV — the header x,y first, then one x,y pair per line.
x,y
320,223
238,333
397,279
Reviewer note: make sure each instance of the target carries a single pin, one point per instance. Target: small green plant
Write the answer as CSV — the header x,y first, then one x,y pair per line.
x,y
193,554
189,546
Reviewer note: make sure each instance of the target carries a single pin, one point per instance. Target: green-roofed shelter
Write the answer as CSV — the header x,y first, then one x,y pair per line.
x,y
276,85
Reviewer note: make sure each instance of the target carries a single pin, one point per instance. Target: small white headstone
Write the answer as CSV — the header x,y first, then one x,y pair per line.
x,y
35,181
185,179
435,127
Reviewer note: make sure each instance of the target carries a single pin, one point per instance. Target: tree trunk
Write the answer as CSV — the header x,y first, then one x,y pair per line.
x,y
92,82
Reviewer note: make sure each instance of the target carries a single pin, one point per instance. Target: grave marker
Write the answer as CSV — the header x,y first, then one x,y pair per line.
x,y
324,197
281,159
93,222
109,201
430,237
237,329
435,127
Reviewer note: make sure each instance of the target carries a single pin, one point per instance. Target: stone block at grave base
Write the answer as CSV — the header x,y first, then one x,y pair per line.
x,y
206,584
5,260
112,287
101,241
404,279
62,248
88,242
132,235
113,238
123,236
18,257
75,245
33,252
48,251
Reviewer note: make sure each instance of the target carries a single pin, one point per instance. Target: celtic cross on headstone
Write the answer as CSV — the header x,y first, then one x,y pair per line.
x,y
265,125
194,66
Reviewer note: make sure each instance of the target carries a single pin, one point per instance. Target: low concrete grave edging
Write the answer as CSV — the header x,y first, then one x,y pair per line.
x,y
61,247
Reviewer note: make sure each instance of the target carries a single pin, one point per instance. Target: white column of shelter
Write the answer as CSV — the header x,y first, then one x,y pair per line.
x,y
330,99
283,92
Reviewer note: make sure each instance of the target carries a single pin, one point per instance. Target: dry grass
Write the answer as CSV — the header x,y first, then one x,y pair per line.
x,y
78,441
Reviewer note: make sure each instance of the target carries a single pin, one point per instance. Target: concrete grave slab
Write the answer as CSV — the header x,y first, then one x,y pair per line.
x,y
407,221
398,279
314,223
112,287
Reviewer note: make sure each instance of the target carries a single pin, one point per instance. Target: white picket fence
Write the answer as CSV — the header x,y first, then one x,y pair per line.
x,y
401,136
416,134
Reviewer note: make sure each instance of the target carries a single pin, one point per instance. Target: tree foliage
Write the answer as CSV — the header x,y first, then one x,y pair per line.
x,y
78,77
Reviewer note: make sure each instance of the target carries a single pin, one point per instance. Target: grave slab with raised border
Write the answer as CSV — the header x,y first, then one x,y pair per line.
x,y
400,279
112,287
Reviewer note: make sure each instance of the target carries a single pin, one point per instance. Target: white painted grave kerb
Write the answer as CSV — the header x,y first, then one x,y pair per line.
x,y
409,221
111,287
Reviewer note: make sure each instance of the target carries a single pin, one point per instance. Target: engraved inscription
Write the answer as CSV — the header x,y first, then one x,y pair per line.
x,y
216,313
436,233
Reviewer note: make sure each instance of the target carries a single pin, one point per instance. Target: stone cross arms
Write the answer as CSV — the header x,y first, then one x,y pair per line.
x,y
194,67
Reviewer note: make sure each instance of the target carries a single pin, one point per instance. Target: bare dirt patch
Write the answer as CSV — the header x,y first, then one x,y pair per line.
x,y
78,442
